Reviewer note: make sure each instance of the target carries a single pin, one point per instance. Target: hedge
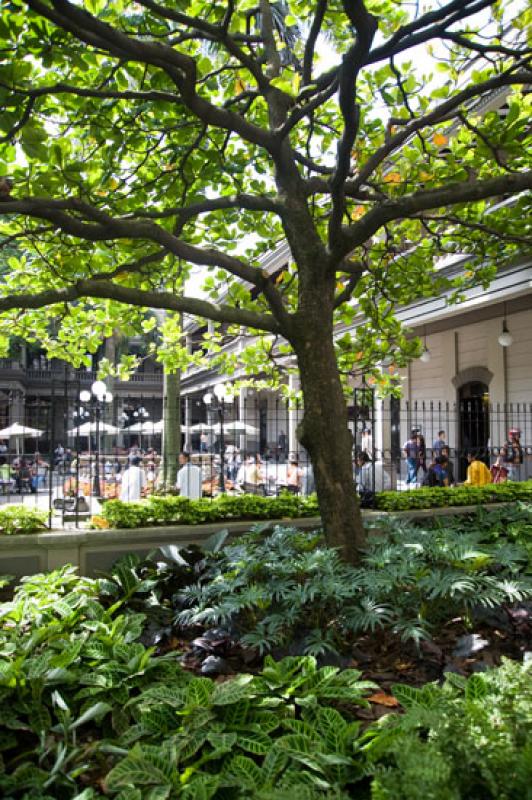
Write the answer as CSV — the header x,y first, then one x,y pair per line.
x,y
19,519
438,497
182,511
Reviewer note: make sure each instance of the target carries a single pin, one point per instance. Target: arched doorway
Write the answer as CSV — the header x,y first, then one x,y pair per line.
x,y
474,422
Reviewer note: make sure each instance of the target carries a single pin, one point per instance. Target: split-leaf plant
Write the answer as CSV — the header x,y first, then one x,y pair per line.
x,y
284,588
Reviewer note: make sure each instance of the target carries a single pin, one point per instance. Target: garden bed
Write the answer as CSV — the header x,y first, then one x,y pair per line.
x,y
107,689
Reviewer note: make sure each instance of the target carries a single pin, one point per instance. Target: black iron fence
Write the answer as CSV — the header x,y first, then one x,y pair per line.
x,y
78,451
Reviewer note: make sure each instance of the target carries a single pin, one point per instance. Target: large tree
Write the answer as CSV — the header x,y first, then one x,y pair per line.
x,y
145,138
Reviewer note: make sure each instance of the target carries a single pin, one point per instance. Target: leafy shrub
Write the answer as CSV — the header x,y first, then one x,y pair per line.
x,y
20,519
66,665
467,739
251,737
171,510
88,712
81,699
286,588
182,511
440,496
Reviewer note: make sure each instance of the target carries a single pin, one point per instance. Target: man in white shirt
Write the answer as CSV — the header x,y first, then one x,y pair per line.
x,y
188,478
134,481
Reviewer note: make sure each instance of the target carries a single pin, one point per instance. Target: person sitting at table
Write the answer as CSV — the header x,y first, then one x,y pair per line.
x,y
477,472
23,476
294,476
39,472
254,476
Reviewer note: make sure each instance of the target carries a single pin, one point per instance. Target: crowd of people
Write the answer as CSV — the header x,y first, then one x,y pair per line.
x,y
241,475
23,473
137,473
507,462
434,466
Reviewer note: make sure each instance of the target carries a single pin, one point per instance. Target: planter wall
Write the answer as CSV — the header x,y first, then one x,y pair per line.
x,y
96,551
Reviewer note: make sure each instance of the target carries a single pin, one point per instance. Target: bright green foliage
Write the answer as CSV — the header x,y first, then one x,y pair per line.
x,y
88,712
66,665
189,141
250,737
182,511
441,496
21,519
280,587
467,739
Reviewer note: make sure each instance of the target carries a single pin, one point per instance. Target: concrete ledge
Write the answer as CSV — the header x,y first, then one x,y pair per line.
x,y
97,550
94,551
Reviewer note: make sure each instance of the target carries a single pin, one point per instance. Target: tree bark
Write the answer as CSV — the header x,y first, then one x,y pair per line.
x,y
324,431
171,427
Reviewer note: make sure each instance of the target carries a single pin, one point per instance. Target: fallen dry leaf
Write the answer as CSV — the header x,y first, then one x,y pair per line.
x,y
382,699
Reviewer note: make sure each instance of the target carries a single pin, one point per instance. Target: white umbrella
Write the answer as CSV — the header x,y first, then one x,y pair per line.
x,y
18,432
240,428
149,428
202,427
89,429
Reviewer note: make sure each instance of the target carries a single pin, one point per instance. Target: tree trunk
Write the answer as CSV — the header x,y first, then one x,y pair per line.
x,y
325,435
171,427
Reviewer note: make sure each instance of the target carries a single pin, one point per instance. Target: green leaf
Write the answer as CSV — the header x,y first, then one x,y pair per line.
x,y
143,767
96,711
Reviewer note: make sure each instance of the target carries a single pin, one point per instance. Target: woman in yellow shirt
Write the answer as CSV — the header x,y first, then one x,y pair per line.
x,y
477,472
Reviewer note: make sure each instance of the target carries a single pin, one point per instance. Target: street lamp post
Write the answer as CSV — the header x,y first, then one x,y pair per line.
x,y
97,397
215,401
142,415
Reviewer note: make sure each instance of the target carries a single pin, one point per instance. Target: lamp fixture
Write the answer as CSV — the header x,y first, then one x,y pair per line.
x,y
99,389
506,338
425,355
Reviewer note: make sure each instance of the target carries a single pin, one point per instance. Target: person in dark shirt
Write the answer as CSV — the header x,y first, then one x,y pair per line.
x,y
438,444
448,465
437,474
411,450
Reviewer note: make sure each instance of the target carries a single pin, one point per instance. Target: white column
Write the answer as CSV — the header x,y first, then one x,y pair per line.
x,y
188,422
242,407
293,416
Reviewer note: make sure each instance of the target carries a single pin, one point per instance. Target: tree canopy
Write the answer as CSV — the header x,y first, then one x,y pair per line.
x,y
144,138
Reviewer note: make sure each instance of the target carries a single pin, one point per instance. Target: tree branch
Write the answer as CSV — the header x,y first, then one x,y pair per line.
x,y
429,26
440,113
508,236
144,299
106,94
247,202
219,34
365,25
106,228
310,44
179,67
408,206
